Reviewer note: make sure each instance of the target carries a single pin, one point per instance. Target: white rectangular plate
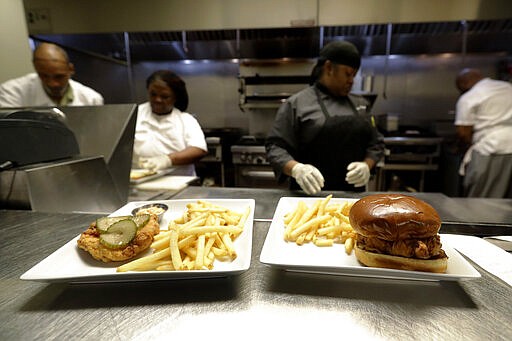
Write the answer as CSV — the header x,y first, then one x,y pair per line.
x,y
278,253
71,264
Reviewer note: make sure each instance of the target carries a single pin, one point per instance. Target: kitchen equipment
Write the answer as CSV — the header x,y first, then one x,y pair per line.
x,y
411,154
96,180
217,167
251,166
257,92
32,136
392,123
249,155
267,84
211,166
214,149
107,130
79,184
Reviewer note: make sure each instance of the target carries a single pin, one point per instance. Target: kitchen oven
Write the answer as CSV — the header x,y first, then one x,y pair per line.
x,y
211,166
264,86
267,84
408,156
216,168
252,168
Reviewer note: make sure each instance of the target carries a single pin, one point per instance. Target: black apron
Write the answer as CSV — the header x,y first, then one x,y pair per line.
x,y
340,141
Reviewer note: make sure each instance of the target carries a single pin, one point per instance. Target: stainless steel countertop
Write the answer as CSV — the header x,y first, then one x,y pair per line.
x,y
481,217
261,302
267,199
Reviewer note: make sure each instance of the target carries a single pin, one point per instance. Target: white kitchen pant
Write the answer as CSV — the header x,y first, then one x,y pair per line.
x,y
489,176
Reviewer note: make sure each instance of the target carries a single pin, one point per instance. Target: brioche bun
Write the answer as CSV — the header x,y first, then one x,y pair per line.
x,y
394,217
397,231
379,260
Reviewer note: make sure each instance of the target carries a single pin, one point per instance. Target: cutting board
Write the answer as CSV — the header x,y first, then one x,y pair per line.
x,y
170,182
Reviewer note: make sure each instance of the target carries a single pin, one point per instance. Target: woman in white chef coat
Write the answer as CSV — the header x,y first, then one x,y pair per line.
x,y
166,136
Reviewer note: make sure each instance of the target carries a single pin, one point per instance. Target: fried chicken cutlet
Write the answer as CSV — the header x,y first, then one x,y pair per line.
x,y
90,242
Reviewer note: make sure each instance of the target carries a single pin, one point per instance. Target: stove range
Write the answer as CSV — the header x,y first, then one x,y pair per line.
x,y
249,155
252,168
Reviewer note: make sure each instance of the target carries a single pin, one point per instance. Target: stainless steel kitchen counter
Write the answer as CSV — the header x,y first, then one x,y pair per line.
x,y
258,303
481,217
267,199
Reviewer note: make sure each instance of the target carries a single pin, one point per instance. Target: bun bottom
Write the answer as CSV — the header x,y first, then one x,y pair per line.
x,y
378,260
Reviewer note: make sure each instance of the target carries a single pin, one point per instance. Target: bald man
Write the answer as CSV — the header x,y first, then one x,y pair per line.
x,y
51,85
483,120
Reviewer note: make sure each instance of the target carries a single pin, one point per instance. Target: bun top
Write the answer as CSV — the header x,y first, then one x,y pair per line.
x,y
394,217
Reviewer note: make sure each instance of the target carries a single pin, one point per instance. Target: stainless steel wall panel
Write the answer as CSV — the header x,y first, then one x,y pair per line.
x,y
107,131
74,185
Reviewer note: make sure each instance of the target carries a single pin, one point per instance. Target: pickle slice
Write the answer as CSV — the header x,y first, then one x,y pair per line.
x,y
103,223
119,234
141,220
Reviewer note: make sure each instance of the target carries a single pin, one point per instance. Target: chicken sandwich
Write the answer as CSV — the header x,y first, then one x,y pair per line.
x,y
399,232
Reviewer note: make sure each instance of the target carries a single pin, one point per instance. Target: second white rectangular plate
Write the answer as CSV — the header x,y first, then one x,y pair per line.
x,y
71,264
279,253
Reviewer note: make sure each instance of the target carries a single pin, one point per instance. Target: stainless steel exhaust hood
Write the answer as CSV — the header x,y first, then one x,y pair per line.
x,y
298,42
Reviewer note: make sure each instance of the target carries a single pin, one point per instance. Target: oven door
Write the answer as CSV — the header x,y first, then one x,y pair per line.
x,y
256,176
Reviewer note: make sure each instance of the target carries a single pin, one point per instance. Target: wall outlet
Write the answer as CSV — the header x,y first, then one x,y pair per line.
x,y
39,20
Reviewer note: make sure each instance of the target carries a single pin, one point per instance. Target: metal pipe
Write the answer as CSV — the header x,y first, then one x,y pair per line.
x,y
386,61
184,41
464,25
321,38
129,64
238,43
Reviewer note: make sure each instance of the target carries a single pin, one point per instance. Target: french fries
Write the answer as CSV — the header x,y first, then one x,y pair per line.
x,y
204,233
323,224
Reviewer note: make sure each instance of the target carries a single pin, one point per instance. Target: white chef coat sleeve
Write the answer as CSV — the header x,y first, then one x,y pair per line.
x,y
194,135
10,94
465,112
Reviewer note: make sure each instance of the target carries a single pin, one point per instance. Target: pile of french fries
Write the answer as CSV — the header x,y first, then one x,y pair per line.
x,y
322,223
204,233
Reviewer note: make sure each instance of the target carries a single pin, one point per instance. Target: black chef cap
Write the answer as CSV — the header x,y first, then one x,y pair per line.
x,y
341,52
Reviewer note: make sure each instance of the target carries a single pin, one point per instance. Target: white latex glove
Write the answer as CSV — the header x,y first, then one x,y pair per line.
x,y
308,177
155,162
358,174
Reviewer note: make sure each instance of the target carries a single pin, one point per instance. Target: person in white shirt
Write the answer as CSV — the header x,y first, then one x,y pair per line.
x,y
484,123
51,85
165,135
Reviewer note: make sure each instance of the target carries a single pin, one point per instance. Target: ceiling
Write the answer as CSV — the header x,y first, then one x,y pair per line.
x,y
485,36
